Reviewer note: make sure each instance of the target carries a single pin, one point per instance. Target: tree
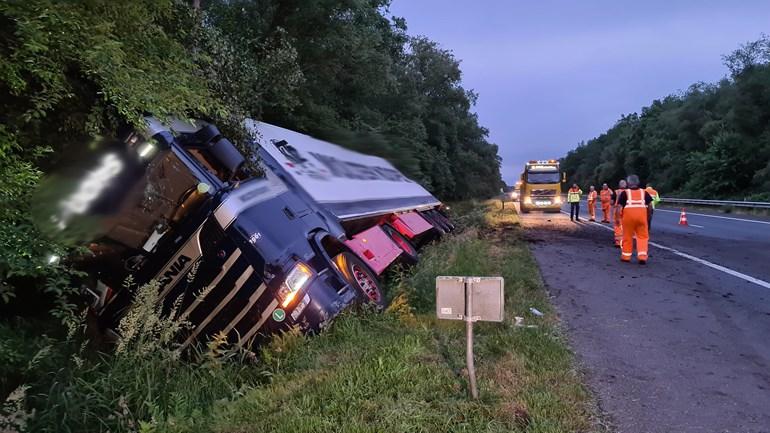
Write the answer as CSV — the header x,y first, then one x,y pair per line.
x,y
710,141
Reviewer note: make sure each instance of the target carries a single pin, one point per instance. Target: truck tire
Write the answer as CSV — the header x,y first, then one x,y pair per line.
x,y
437,222
437,229
445,220
409,254
358,275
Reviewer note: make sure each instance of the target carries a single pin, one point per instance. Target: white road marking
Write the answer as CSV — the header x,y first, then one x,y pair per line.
x,y
721,268
715,216
728,271
696,225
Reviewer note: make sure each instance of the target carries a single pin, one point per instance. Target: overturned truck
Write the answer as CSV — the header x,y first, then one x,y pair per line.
x,y
233,250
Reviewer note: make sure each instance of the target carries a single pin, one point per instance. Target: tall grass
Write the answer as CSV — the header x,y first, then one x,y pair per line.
x,y
141,384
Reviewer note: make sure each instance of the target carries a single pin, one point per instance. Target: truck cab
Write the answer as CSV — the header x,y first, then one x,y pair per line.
x,y
229,248
540,186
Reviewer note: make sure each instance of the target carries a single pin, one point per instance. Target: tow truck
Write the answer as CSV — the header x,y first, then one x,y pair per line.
x,y
541,186
234,250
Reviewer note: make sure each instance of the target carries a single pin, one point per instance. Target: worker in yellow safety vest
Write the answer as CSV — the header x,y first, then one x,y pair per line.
x,y
573,198
592,195
617,213
655,200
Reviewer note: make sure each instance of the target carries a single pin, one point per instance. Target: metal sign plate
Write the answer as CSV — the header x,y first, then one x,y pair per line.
x,y
450,298
486,298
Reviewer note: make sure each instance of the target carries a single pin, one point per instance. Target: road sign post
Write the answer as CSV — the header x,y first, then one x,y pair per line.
x,y
469,339
470,299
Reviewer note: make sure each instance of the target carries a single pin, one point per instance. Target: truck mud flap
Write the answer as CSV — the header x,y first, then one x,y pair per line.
x,y
375,248
410,224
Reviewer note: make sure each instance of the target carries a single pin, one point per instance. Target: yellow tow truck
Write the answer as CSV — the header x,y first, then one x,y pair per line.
x,y
541,186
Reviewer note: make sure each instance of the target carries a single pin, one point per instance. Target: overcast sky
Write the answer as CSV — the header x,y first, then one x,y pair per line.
x,y
550,74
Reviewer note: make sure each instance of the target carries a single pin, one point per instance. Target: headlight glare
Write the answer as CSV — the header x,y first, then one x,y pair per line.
x,y
295,280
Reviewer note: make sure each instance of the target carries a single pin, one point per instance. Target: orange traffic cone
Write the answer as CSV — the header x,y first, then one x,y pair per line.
x,y
683,218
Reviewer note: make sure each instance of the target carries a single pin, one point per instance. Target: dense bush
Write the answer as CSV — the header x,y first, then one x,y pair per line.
x,y
711,141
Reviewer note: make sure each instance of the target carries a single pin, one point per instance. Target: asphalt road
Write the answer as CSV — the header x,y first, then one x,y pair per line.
x,y
679,345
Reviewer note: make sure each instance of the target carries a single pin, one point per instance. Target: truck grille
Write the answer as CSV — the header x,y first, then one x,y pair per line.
x,y
544,192
230,294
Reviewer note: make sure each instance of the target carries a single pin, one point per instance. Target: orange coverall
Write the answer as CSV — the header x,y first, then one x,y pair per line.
x,y
605,196
617,217
592,205
634,225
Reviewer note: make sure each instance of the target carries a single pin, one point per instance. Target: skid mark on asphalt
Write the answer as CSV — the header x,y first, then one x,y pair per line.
x,y
734,273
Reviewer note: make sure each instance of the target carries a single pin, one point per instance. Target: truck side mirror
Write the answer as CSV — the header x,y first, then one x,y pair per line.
x,y
225,155
228,155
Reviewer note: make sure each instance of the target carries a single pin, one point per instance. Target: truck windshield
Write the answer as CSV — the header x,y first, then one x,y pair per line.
x,y
127,192
154,201
547,177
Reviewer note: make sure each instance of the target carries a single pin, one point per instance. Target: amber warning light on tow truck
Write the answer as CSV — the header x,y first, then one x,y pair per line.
x,y
543,161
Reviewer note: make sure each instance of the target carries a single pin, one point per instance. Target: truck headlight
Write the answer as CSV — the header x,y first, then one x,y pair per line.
x,y
296,279
557,199
527,200
147,151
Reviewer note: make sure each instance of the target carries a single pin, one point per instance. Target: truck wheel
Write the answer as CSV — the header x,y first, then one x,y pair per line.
x,y
409,255
358,274
438,222
437,228
445,220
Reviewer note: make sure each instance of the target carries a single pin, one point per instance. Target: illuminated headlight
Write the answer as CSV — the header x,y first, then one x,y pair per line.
x,y
147,150
557,199
295,280
527,200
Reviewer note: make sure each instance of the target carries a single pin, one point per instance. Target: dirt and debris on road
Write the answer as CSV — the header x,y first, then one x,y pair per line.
x,y
671,347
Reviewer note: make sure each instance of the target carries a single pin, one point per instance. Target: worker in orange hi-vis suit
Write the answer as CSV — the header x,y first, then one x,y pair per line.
x,y
605,197
617,213
592,203
636,204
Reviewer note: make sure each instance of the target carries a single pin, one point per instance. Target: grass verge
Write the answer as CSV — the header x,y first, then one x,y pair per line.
x,y
398,371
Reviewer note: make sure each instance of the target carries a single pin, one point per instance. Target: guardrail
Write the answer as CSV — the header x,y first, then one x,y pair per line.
x,y
698,202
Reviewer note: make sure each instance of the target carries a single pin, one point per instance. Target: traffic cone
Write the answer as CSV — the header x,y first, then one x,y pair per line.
x,y
683,218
